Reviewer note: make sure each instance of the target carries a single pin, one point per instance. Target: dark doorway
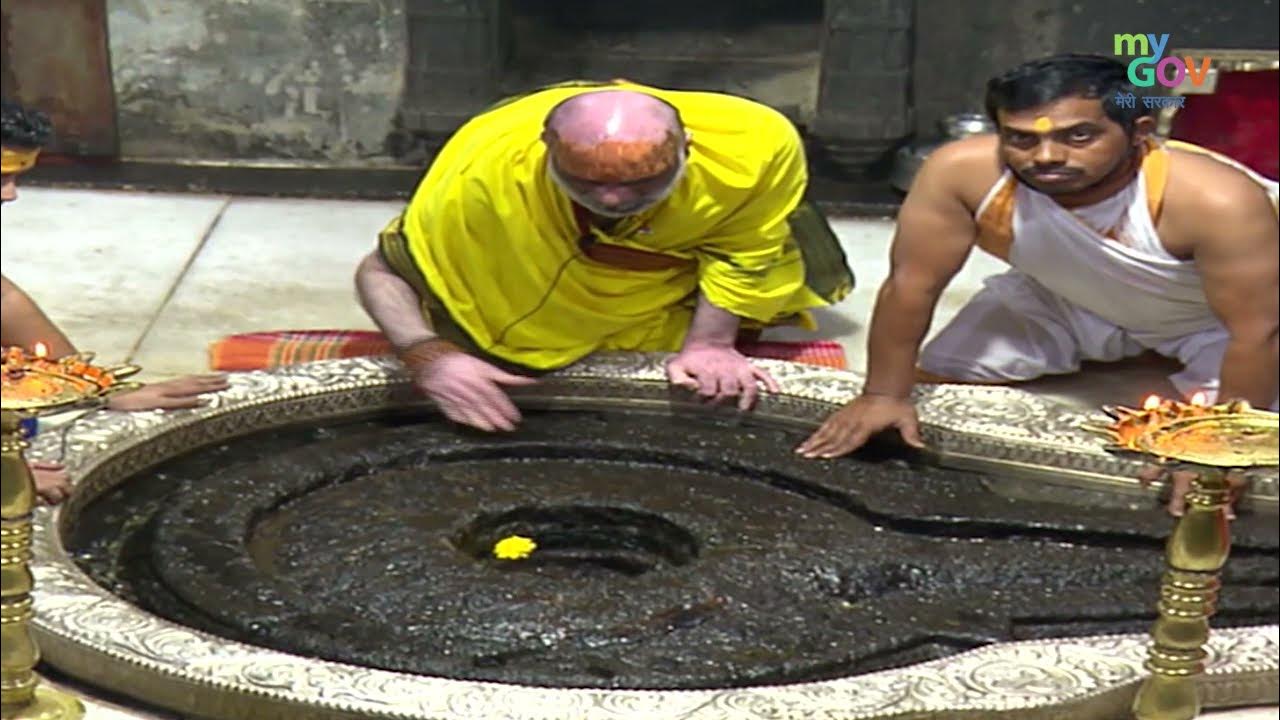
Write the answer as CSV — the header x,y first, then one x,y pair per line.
x,y
768,50
55,59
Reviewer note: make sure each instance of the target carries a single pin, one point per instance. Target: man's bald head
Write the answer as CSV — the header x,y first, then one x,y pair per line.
x,y
624,115
614,136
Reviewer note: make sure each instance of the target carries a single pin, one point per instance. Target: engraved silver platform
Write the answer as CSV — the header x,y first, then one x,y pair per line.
x,y
91,634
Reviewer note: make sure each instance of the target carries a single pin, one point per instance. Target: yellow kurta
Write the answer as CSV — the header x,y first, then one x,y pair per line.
x,y
496,241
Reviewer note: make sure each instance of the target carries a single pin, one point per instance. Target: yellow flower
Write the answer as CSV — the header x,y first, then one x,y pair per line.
x,y
514,547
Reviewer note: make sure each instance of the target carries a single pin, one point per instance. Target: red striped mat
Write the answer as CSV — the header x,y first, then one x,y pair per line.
x,y
263,350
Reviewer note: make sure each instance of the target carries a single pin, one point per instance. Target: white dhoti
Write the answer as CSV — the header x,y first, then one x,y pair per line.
x,y
1015,329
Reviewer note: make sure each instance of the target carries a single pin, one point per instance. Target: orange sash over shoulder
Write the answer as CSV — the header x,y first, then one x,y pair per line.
x,y
994,218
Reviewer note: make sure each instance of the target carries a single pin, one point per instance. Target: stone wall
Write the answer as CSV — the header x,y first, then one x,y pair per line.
x,y
311,80
962,43
325,80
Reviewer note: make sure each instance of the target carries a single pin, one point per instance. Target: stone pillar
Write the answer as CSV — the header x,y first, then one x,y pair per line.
x,y
456,53
864,103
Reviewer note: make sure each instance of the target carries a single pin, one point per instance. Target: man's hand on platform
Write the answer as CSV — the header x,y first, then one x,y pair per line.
x,y
179,393
467,390
1180,484
719,372
53,482
851,426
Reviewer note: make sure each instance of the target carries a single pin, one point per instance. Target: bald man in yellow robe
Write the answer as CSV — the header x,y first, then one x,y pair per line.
x,y
590,217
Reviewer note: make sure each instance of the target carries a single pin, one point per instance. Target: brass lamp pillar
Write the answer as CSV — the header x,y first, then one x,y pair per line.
x,y
1210,442
33,386
1195,554
20,694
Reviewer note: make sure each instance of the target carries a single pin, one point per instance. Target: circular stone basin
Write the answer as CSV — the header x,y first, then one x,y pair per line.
x,y
668,551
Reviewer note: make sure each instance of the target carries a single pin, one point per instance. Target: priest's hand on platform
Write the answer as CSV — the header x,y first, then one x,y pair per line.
x,y
718,373
468,390
851,426
53,482
1180,484
183,392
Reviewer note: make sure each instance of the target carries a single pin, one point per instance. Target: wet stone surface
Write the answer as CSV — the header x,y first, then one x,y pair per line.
x,y
673,551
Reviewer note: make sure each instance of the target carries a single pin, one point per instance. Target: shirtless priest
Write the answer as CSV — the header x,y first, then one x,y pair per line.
x,y
1119,244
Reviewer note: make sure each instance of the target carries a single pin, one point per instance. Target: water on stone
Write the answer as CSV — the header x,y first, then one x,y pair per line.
x,y
672,551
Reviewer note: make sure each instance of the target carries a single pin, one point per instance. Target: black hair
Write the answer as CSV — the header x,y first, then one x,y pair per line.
x,y
23,128
1042,81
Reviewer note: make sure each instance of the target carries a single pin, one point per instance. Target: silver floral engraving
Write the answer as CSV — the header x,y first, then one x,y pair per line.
x,y
91,633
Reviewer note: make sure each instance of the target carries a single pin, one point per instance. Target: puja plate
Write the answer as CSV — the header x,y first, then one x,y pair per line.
x,y
37,390
1239,440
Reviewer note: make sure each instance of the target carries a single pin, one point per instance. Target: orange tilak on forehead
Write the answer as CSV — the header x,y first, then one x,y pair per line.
x,y
616,160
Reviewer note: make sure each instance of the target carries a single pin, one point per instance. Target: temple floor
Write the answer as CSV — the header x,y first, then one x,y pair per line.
x,y
152,279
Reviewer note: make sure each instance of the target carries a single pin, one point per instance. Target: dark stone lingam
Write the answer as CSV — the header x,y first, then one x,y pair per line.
x,y
674,551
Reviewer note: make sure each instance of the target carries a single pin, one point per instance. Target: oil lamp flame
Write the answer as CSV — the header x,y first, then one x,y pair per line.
x,y
42,350
1194,431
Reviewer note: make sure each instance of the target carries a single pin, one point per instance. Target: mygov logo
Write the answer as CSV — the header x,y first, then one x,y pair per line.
x,y
1148,67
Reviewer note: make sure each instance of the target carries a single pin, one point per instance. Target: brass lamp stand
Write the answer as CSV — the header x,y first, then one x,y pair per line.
x,y
33,387
1210,442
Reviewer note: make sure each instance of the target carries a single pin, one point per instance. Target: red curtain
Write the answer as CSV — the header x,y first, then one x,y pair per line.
x,y
1238,120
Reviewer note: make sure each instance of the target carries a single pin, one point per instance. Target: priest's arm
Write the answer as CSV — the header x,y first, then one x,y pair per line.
x,y
25,324
1236,252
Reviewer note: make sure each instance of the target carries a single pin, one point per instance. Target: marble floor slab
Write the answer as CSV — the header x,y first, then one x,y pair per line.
x,y
101,264
269,264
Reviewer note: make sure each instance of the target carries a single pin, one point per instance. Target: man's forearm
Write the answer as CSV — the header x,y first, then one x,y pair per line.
x,y
712,326
1249,371
392,303
898,324
25,324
